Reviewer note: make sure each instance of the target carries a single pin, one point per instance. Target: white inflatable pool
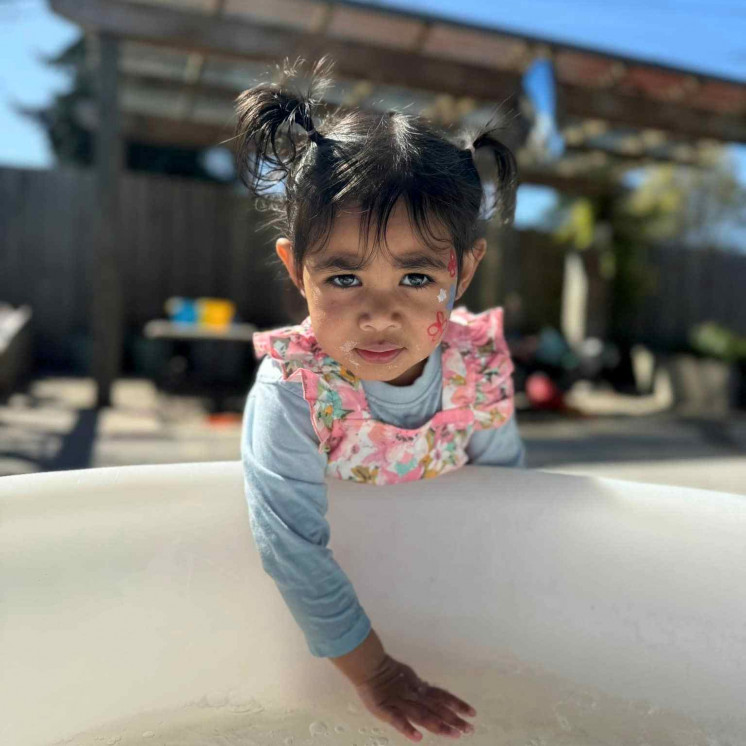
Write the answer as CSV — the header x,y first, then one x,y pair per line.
x,y
569,611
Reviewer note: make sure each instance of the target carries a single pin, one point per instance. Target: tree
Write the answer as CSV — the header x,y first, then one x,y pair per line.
x,y
73,141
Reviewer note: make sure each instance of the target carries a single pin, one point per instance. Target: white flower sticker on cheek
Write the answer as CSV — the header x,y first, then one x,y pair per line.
x,y
442,295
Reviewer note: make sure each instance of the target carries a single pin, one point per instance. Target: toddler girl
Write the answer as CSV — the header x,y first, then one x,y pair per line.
x,y
381,229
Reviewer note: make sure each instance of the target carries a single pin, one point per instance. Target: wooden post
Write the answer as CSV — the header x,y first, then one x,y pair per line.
x,y
106,323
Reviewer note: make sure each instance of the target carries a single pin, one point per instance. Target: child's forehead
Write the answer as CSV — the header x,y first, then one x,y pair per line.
x,y
419,257
402,244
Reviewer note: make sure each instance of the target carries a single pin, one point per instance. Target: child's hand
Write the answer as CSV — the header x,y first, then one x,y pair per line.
x,y
396,695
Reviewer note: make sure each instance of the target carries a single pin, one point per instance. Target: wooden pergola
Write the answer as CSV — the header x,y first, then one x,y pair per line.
x,y
170,70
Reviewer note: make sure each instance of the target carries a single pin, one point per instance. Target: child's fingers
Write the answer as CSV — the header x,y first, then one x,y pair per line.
x,y
424,716
399,721
445,713
446,698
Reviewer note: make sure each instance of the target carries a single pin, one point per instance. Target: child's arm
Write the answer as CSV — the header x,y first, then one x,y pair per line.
x,y
500,446
284,479
364,661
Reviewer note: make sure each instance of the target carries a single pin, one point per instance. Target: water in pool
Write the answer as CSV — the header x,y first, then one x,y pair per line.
x,y
517,705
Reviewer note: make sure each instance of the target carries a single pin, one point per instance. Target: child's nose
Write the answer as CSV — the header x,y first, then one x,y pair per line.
x,y
379,321
379,315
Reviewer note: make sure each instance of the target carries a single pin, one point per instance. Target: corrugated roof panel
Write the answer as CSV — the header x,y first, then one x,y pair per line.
x,y
721,97
304,15
374,27
578,68
658,84
210,111
144,59
228,73
490,49
138,100
195,6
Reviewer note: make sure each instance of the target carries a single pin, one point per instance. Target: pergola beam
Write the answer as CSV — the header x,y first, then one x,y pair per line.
x,y
645,113
166,131
233,38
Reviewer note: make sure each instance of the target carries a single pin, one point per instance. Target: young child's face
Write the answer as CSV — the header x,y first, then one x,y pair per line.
x,y
383,320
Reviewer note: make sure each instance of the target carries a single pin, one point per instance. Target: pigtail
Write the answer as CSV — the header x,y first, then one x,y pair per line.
x,y
500,191
268,144
507,178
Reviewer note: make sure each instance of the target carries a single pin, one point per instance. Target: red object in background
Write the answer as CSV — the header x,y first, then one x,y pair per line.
x,y
543,393
221,419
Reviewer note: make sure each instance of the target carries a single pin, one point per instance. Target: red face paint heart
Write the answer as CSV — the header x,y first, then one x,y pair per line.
x,y
436,329
452,265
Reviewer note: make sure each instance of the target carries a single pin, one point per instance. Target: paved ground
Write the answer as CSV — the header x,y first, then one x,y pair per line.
x,y
55,426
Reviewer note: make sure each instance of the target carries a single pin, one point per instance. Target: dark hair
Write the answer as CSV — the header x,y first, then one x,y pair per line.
x,y
364,160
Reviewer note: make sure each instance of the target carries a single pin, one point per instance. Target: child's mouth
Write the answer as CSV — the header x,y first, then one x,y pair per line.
x,y
385,356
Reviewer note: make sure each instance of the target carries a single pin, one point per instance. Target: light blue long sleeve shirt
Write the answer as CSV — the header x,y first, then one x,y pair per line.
x,y
285,486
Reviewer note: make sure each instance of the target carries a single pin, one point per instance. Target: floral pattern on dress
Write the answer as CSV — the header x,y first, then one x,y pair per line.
x,y
477,395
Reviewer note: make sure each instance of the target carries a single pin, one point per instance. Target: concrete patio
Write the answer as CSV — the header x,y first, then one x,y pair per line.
x,y
53,425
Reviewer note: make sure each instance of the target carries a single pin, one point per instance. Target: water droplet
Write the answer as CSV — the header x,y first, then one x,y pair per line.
x,y
245,705
217,700
148,734
114,740
376,731
318,728
340,728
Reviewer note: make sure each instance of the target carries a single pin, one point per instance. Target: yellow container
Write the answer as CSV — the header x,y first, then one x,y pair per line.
x,y
216,312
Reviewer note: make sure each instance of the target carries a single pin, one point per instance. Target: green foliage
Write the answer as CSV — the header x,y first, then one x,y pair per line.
x,y
578,226
672,205
715,340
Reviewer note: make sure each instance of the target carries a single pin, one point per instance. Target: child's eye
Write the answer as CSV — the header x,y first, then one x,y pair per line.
x,y
422,280
345,281
341,277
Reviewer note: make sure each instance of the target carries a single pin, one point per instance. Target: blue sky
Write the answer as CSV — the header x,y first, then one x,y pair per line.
x,y
703,35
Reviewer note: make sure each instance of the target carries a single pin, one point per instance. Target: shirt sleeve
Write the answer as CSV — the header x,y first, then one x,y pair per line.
x,y
500,446
284,482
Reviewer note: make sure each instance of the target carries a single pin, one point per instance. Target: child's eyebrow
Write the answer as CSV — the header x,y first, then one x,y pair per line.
x,y
418,260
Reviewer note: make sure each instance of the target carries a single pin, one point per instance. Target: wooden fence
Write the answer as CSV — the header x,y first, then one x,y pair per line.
x,y
689,286
181,237
178,237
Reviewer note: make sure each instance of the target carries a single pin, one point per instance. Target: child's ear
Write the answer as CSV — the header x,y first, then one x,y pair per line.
x,y
470,264
284,249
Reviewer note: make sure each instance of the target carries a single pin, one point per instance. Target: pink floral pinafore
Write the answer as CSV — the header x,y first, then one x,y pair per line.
x,y
477,395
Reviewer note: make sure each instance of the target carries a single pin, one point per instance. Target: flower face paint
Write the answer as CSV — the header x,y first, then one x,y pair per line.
x,y
435,330
452,265
442,295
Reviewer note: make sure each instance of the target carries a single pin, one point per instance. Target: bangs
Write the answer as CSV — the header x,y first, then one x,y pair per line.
x,y
428,224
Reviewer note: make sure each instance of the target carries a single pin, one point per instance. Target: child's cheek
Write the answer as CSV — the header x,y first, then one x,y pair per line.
x,y
447,297
328,305
437,327
451,297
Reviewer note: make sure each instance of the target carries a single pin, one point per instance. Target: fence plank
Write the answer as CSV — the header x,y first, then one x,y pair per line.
x,y
186,238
